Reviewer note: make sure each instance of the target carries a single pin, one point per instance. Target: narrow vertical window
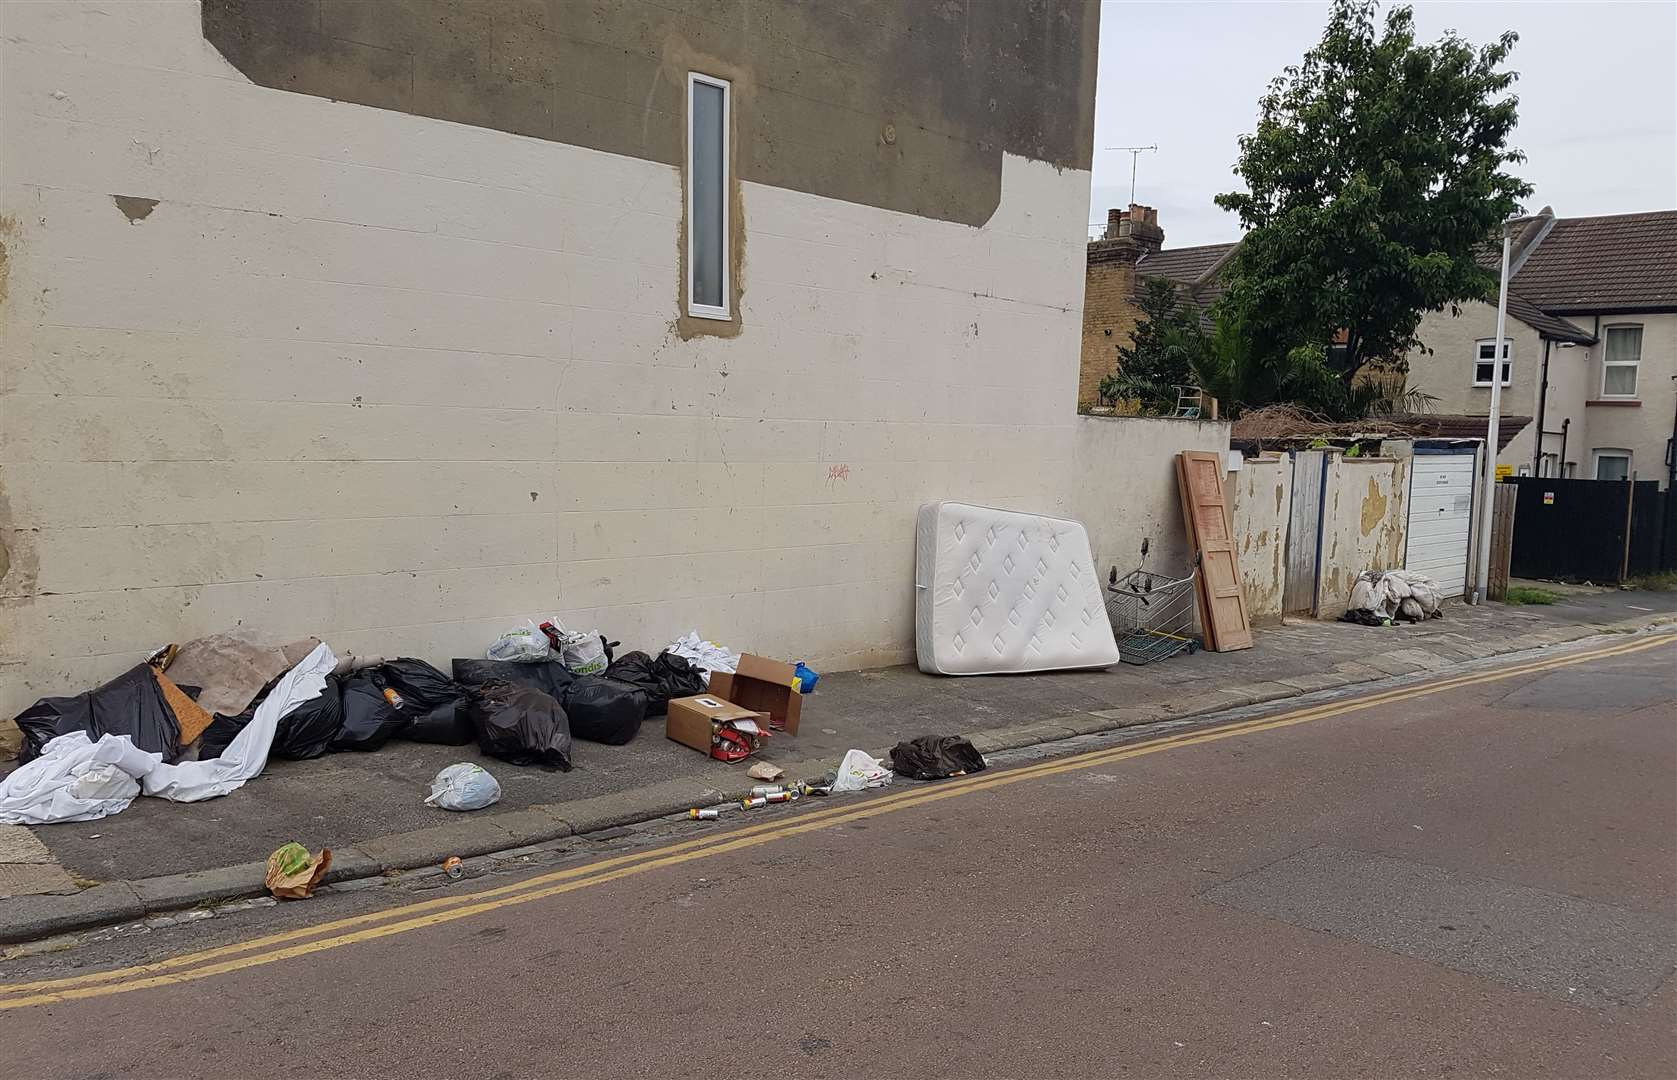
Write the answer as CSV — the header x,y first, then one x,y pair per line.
x,y
707,197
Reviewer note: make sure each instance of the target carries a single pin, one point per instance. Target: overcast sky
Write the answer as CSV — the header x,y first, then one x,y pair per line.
x,y
1597,88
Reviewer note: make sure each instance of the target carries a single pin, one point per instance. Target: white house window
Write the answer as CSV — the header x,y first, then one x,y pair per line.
x,y
707,196
1485,360
1620,360
1612,464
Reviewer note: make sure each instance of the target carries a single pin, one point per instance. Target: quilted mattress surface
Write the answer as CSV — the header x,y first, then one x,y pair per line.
x,y
998,591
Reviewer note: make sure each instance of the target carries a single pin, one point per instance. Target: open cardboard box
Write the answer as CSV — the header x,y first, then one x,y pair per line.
x,y
762,685
691,721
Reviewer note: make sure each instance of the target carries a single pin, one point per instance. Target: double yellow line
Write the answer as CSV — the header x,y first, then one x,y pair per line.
x,y
291,944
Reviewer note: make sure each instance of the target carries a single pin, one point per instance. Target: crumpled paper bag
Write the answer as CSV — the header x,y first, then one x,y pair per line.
x,y
293,873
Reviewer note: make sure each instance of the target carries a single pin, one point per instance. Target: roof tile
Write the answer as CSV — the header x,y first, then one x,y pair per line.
x,y
1599,264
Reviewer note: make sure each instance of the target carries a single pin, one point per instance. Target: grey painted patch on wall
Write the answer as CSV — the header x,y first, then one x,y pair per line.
x,y
957,82
133,207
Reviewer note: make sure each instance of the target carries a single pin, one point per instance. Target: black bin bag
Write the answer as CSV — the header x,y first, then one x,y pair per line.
x,y
549,676
664,678
521,724
131,704
933,757
305,732
370,719
604,710
434,703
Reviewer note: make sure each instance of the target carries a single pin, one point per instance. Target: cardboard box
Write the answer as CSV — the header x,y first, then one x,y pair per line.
x,y
691,721
765,685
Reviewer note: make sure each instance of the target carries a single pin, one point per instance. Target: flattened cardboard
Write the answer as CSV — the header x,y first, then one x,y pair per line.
x,y
691,721
766,685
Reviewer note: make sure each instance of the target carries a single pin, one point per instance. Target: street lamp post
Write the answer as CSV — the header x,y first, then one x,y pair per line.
x,y
1482,580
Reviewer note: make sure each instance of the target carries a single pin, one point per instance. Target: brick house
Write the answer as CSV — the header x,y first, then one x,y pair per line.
x,y
1119,262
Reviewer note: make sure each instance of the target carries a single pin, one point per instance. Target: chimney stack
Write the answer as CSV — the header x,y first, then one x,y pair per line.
x,y
1139,223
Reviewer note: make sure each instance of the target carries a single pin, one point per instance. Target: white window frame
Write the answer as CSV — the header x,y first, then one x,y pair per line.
x,y
1599,453
695,309
1507,361
1634,365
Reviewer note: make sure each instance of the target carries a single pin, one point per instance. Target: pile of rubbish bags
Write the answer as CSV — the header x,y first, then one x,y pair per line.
x,y
77,777
151,729
1382,598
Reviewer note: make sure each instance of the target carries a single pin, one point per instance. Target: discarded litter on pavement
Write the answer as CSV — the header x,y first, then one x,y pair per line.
x,y
935,757
463,786
859,771
293,873
91,755
1383,598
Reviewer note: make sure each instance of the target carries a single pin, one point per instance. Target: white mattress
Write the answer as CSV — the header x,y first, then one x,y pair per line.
x,y
998,591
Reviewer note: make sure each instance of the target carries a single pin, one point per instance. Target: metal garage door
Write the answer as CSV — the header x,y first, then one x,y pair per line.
x,y
1440,516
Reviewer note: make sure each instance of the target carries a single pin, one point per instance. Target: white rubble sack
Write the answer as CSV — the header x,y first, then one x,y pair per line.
x,y
77,779
1387,593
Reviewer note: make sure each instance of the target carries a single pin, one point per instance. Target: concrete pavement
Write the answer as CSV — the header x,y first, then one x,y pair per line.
x,y
1479,880
368,808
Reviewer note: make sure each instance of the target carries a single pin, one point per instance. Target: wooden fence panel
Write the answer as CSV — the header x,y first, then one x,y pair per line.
x,y
1504,499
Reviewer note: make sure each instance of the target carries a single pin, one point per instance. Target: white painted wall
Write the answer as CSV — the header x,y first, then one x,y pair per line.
x,y
1575,384
1644,427
399,382
1446,371
1569,376
1125,469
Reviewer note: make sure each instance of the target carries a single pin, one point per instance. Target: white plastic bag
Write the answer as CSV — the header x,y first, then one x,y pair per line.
x,y
582,654
522,644
463,787
859,771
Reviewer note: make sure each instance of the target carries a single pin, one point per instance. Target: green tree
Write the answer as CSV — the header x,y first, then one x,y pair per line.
x,y
1159,357
1374,179
1228,366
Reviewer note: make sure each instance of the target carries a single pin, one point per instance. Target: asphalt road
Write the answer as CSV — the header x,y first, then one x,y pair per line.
x,y
1473,880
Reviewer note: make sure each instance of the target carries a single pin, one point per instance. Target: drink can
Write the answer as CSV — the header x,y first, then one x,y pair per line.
x,y
394,698
767,789
781,796
708,814
453,868
753,802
